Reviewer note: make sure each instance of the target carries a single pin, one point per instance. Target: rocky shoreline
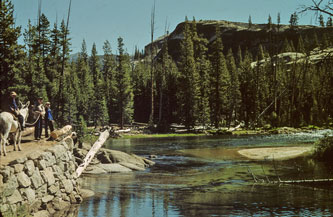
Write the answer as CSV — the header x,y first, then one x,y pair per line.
x,y
111,161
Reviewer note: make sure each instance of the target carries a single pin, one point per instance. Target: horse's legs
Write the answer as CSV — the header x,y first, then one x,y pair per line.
x,y
3,142
15,140
18,139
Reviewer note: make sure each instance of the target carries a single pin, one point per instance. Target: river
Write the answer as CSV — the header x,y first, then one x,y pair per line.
x,y
204,176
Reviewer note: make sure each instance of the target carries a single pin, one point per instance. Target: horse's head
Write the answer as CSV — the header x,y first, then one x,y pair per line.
x,y
24,111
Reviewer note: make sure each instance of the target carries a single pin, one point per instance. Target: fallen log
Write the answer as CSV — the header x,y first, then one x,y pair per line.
x,y
94,149
317,181
123,131
60,132
27,131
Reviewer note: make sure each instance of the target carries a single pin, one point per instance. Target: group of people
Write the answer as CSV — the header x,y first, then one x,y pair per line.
x,y
42,114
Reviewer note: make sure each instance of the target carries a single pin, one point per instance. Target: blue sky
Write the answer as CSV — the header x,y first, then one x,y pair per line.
x,y
100,20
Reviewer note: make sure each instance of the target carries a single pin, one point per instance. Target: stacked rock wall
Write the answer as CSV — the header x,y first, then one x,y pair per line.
x,y
41,181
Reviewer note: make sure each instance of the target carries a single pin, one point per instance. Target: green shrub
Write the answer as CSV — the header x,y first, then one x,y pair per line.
x,y
324,149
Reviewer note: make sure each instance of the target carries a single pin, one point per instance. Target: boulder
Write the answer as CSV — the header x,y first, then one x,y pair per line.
x,y
94,170
48,176
29,167
29,194
42,213
18,168
103,157
15,197
23,180
132,166
36,179
114,168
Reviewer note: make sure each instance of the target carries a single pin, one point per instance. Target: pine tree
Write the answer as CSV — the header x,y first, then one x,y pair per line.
x,y
31,50
141,91
220,82
329,22
293,20
86,90
321,20
124,90
10,51
247,89
278,21
64,41
234,95
189,79
269,22
200,46
98,108
70,113
250,22
94,65
109,76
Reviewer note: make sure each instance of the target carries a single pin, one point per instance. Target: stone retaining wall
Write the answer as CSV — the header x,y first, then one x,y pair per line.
x,y
41,181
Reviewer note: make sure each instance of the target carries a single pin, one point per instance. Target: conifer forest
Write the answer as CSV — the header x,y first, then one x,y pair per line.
x,y
204,74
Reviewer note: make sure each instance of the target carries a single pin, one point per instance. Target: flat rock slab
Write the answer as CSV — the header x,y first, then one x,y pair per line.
x,y
276,153
114,168
106,168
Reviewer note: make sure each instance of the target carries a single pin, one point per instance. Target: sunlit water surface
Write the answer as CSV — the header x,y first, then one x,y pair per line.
x,y
205,176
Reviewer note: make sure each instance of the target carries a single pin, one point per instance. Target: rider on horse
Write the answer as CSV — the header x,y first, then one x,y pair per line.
x,y
13,108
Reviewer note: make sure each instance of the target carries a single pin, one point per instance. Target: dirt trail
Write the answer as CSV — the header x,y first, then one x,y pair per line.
x,y
28,145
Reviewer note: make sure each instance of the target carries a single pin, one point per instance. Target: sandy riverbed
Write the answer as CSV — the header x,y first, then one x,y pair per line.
x,y
278,153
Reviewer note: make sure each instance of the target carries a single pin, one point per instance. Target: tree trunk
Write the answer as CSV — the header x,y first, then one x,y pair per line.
x,y
94,149
28,131
63,131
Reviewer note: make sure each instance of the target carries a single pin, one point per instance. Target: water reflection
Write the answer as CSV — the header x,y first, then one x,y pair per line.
x,y
117,196
204,177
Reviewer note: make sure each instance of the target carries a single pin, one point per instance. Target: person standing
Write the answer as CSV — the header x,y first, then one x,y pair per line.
x,y
40,112
48,119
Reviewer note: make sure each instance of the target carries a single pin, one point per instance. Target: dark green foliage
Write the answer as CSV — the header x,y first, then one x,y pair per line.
x,y
324,149
189,78
250,22
269,22
234,94
10,51
321,20
329,22
109,70
124,91
293,20
220,82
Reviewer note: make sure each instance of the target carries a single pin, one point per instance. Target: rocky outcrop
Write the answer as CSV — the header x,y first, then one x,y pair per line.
x,y
111,161
238,35
41,183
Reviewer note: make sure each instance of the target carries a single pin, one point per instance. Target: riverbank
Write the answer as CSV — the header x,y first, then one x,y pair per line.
x,y
137,133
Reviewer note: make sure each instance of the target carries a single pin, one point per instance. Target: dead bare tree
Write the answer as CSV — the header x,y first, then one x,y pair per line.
x,y
152,29
61,79
319,6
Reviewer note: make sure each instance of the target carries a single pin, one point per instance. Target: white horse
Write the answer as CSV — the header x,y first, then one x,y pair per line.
x,y
9,125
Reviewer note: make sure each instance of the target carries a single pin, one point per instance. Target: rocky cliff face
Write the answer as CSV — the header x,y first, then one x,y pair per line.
x,y
236,34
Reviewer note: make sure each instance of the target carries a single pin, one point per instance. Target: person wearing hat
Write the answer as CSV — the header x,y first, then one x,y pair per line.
x,y
13,108
39,111
48,119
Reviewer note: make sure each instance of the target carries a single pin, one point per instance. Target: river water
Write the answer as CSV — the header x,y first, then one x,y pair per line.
x,y
204,176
